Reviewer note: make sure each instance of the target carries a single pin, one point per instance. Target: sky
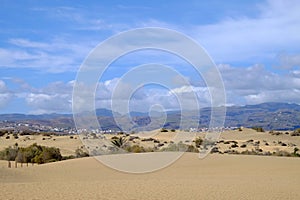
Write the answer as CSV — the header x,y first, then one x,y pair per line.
x,y
254,44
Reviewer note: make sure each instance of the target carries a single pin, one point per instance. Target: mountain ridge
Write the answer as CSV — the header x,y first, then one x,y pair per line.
x,y
269,115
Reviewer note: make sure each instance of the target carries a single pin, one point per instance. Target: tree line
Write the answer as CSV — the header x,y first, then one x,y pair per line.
x,y
32,154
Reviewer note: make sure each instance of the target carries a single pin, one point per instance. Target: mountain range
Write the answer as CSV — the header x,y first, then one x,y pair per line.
x,y
270,116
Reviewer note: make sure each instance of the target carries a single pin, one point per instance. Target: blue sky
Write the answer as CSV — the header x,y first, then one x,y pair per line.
x,y
255,45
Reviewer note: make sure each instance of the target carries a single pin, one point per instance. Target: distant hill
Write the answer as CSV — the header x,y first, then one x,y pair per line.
x,y
270,116
279,116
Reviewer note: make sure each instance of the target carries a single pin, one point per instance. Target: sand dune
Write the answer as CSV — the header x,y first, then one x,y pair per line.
x,y
66,145
215,177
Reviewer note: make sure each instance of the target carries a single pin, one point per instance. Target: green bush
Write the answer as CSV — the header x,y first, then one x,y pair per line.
x,y
192,148
135,149
295,152
198,142
79,153
33,153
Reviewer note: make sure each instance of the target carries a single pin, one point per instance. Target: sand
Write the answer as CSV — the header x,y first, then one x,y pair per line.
x,y
66,145
215,177
218,176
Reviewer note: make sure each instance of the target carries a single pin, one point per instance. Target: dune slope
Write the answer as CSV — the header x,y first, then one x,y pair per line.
x,y
215,177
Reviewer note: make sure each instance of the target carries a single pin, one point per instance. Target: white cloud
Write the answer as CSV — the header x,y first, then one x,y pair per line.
x,y
5,94
243,85
255,84
2,86
49,103
288,61
57,55
275,29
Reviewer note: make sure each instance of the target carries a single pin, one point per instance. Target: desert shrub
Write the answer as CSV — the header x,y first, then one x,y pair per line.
x,y
160,144
9,154
231,152
135,149
68,157
258,129
283,144
93,136
3,132
150,140
164,130
46,134
268,153
181,147
243,146
131,138
234,145
247,152
198,142
15,135
26,132
7,137
192,148
170,147
239,129
296,132
79,153
275,133
173,130
259,150
214,150
282,153
295,152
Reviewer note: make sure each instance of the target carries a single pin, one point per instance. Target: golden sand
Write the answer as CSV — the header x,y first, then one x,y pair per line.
x,y
215,177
